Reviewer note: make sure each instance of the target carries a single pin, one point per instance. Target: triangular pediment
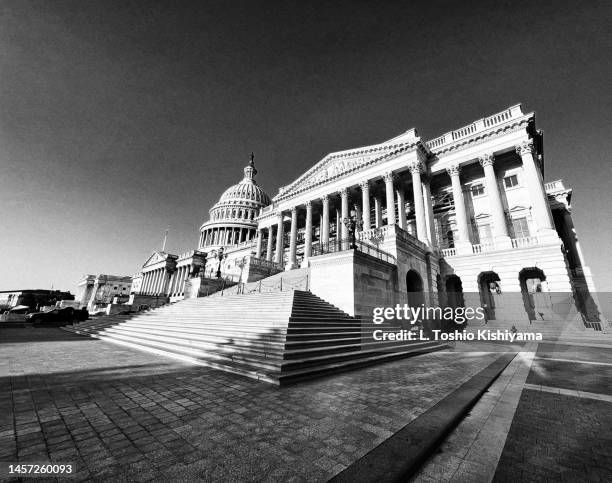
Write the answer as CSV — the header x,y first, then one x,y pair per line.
x,y
340,163
518,208
156,257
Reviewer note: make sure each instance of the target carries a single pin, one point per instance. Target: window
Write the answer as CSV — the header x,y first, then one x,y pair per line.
x,y
477,190
484,234
521,227
511,181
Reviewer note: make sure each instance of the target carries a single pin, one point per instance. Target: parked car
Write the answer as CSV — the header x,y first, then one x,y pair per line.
x,y
67,315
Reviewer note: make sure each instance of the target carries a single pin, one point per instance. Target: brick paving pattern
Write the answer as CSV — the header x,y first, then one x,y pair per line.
x,y
559,437
124,415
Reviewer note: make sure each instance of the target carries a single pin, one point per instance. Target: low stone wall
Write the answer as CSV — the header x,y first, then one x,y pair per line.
x,y
354,282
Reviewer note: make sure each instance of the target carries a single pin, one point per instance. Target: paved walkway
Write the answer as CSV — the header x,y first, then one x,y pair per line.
x,y
548,417
124,415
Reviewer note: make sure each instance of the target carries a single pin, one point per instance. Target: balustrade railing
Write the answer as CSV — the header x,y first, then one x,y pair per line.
x,y
475,127
339,245
448,252
526,241
556,185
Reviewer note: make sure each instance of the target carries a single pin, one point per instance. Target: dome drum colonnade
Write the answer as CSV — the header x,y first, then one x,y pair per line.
x,y
395,195
232,218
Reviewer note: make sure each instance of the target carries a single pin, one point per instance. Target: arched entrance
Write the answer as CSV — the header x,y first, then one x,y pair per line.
x,y
490,292
414,287
535,299
454,292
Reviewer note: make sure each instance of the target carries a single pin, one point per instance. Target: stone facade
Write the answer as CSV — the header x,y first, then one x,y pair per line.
x,y
465,212
100,290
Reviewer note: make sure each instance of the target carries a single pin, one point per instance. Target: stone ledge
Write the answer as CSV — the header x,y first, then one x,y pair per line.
x,y
400,456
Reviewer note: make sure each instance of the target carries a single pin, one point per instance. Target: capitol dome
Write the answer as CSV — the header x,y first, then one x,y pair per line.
x,y
232,218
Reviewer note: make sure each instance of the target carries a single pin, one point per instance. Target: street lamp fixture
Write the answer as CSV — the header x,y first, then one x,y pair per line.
x,y
352,224
220,257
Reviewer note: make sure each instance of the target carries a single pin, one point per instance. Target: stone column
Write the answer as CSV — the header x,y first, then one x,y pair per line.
x,y
150,283
388,177
365,203
325,223
160,280
165,280
537,193
172,283
259,240
358,216
308,234
419,209
280,235
429,215
270,240
377,212
462,244
145,280
500,228
344,215
293,239
401,208
154,281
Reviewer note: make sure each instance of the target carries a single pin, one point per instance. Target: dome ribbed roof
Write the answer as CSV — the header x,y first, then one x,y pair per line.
x,y
246,190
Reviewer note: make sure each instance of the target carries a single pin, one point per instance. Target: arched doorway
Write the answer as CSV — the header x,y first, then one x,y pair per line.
x,y
454,299
536,299
490,291
414,287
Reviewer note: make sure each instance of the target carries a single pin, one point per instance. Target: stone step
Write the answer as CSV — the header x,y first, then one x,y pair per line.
x,y
252,348
276,337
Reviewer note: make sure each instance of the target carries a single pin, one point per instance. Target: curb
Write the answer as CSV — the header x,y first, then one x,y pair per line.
x,y
400,456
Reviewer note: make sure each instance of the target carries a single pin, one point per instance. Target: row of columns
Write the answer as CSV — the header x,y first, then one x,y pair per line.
x,y
160,282
154,281
225,236
424,228
177,284
535,187
423,208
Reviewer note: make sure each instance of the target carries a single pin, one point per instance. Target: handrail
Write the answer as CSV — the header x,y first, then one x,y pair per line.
x,y
339,245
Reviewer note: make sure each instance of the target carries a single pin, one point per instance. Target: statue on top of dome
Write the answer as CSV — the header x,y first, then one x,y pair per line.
x,y
250,171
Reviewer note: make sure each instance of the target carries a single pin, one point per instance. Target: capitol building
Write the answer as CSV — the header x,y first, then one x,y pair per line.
x,y
464,218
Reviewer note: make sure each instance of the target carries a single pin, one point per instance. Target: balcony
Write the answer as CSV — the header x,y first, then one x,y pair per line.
x,y
523,242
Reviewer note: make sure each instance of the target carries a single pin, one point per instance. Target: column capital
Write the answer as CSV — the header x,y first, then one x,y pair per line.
x,y
486,159
344,192
365,185
308,205
526,147
416,167
388,177
453,170
293,210
325,199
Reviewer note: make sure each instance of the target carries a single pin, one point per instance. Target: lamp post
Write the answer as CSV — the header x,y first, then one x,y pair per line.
x,y
220,257
352,224
241,263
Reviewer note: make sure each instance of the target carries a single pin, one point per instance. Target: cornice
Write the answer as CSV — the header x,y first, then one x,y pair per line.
x,y
293,189
482,137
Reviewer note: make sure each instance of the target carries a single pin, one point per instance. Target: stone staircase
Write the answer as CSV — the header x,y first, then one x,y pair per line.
x,y
277,337
296,279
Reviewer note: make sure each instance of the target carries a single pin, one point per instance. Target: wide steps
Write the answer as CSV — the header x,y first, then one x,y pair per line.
x,y
276,337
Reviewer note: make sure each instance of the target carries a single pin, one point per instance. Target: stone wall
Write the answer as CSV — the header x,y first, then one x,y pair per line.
x,y
354,282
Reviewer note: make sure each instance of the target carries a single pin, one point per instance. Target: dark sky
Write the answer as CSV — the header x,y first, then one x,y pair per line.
x,y
118,118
